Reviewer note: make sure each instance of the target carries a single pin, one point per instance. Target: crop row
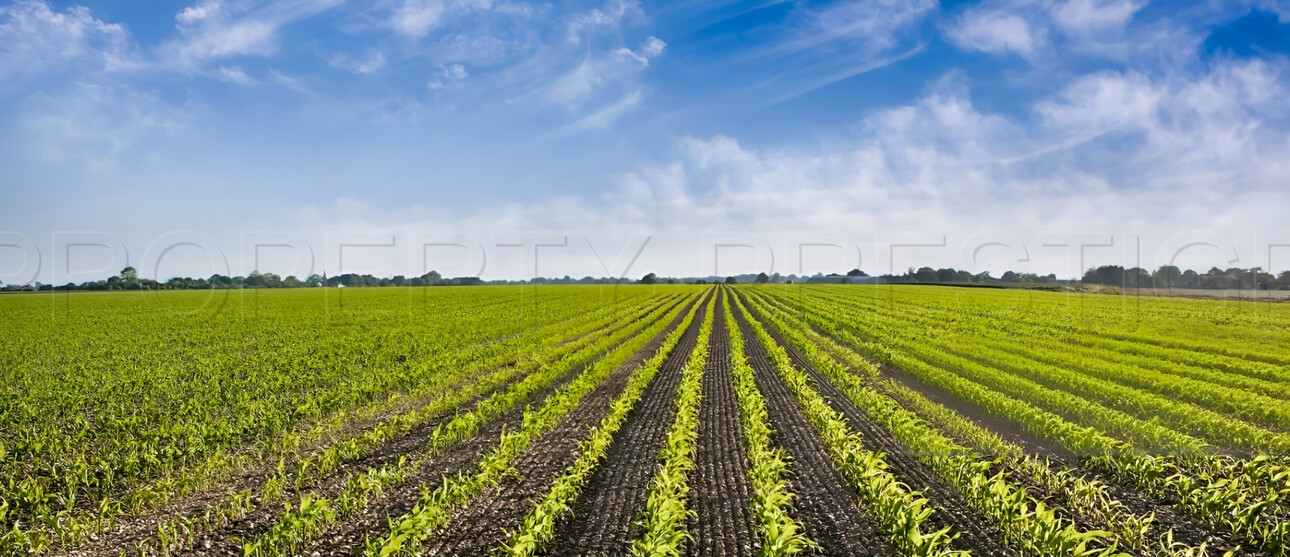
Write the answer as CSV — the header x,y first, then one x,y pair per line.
x,y
900,512
663,520
1025,521
436,396
570,340
296,528
435,507
88,424
1198,408
779,532
1246,508
538,526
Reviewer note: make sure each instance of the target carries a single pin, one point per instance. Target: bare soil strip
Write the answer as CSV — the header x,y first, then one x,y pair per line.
x,y
228,540
828,508
482,526
1186,529
602,520
720,491
952,510
345,538
129,532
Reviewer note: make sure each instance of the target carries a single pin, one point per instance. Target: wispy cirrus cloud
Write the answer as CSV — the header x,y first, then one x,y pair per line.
x,y
220,29
819,46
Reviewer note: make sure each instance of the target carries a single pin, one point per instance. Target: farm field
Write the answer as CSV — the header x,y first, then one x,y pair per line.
x,y
647,420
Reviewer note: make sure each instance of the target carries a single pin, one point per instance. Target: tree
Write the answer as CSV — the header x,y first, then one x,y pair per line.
x,y
1190,279
731,280
129,274
1137,277
945,275
925,275
856,273
649,279
314,280
1010,276
1167,276
762,278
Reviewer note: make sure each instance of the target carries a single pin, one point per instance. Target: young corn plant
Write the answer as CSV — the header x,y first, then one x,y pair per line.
x,y
767,464
1025,521
538,525
435,507
665,505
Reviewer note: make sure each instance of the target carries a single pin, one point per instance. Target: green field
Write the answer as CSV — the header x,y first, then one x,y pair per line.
x,y
655,420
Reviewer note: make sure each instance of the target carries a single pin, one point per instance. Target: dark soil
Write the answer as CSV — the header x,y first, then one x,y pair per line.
x,y
482,526
830,511
351,533
130,531
720,492
603,516
1186,529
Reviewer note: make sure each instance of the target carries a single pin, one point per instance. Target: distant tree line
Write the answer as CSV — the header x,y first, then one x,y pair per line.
x,y
1167,276
129,279
1170,276
922,275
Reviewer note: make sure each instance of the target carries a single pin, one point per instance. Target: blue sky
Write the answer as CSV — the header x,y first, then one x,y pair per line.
x,y
514,138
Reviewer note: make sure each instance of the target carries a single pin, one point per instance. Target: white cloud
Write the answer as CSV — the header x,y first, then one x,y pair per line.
x,y
653,47
1115,152
193,14
614,14
996,32
36,40
417,18
818,46
95,124
599,72
1038,31
448,75
871,25
605,116
235,75
1084,17
373,62
215,30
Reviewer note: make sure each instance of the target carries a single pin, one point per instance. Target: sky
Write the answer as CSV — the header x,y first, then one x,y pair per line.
x,y
613,138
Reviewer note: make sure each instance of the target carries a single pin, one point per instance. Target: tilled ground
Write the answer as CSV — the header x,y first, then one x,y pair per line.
x,y
130,531
603,518
952,510
830,511
482,525
719,489
352,532
1186,529
228,540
